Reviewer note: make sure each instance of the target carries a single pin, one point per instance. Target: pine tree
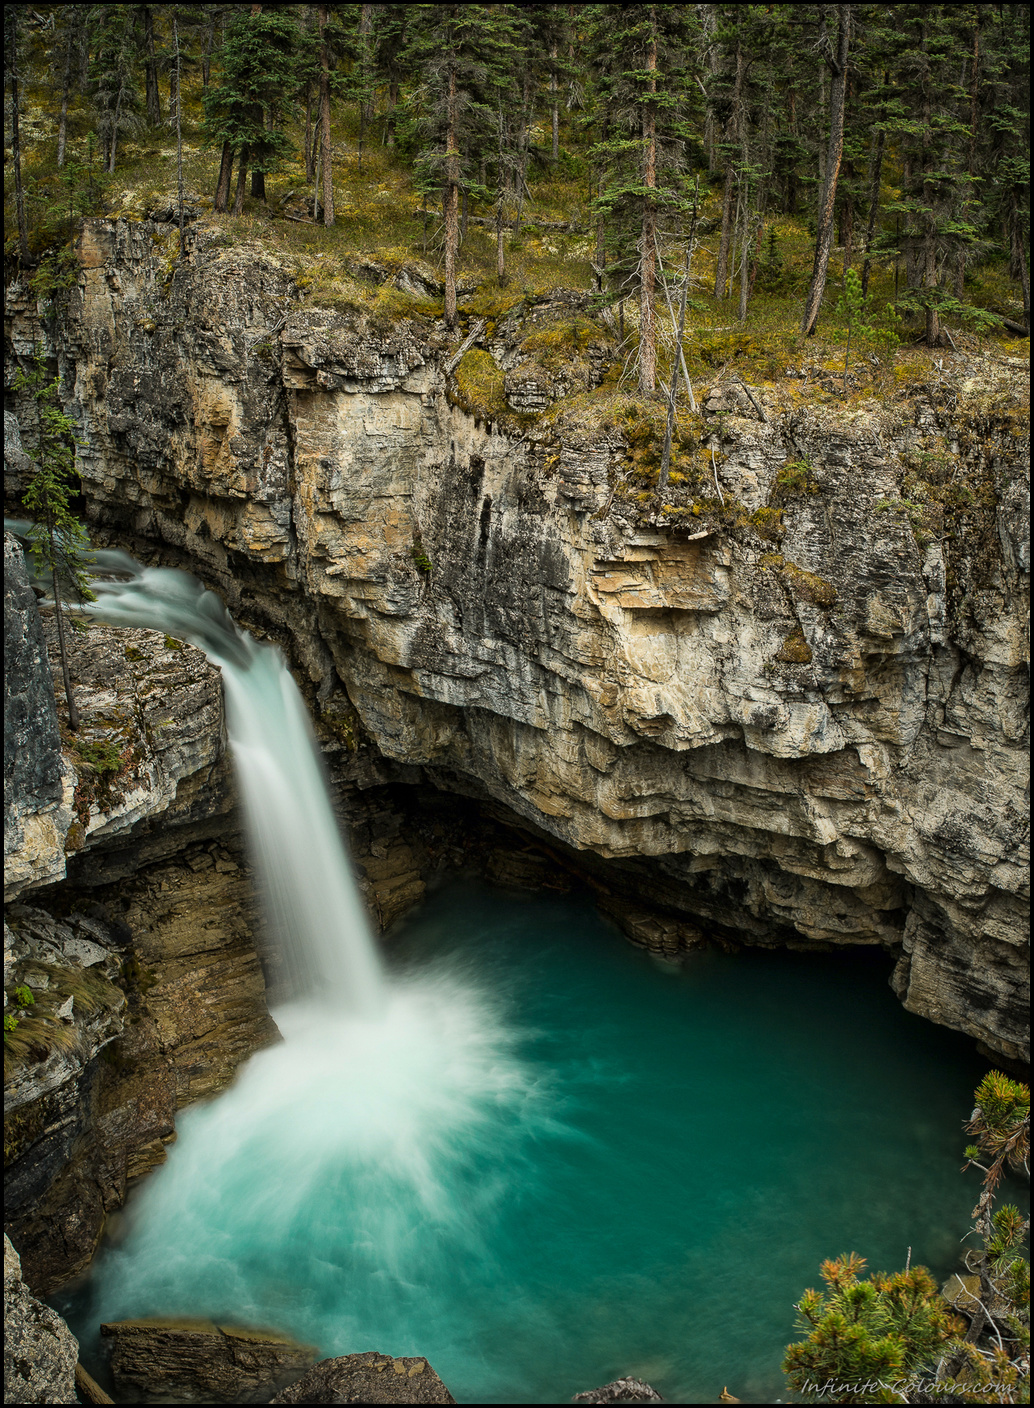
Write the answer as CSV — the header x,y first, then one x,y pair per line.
x,y
861,1332
115,95
836,55
12,21
645,95
56,538
245,111
465,57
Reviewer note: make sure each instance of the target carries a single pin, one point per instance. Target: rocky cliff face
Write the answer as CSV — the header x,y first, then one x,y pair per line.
x,y
792,711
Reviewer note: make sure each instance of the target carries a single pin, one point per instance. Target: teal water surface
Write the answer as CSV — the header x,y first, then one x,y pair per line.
x,y
555,1162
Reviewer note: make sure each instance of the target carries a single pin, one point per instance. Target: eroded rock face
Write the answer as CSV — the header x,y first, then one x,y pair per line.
x,y
798,718
40,1351
368,1378
38,782
198,1361
139,1006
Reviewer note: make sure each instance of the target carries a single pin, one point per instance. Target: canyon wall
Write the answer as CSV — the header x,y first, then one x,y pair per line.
x,y
785,706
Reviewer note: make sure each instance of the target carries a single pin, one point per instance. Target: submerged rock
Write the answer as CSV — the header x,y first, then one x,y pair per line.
x,y
199,1361
40,1351
368,1378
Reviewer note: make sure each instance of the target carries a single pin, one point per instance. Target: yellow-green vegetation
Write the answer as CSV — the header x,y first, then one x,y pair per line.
x,y
768,522
794,477
343,724
479,386
794,650
100,764
37,1031
805,585
808,586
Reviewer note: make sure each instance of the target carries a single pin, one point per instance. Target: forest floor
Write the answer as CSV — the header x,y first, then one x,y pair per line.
x,y
382,230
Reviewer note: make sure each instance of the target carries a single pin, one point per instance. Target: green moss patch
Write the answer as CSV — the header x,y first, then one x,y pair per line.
x,y
479,386
794,650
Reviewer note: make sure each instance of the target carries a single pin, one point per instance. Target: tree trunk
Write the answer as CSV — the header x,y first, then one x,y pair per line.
x,y
933,324
114,130
325,154
307,146
522,147
11,40
153,98
744,257
206,53
62,647
662,478
222,187
1017,243
242,172
554,109
366,102
258,185
721,272
875,176
66,85
648,268
389,116
179,133
732,134
827,198
451,200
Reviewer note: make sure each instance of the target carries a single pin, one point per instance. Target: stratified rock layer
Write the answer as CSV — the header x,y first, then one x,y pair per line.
x,y
198,1361
798,715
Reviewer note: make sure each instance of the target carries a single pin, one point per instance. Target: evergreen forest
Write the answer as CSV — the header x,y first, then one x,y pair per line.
x,y
734,177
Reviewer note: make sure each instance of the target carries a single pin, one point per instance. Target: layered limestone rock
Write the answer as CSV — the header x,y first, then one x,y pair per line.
x,y
144,1003
790,709
148,762
197,1361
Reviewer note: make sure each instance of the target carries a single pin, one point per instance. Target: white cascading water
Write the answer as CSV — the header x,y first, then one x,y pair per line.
x,y
304,874
374,1143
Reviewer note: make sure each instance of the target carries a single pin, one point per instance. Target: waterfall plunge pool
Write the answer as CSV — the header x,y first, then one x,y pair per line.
x,y
552,1162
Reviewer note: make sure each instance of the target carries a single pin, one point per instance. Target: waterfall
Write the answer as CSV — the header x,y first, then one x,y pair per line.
x,y
353,1175
304,873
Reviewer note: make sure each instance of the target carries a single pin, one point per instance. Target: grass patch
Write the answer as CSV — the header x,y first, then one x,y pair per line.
x,y
39,1032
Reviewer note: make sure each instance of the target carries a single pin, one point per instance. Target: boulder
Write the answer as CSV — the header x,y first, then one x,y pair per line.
x,y
367,1378
40,1351
198,1361
626,1390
